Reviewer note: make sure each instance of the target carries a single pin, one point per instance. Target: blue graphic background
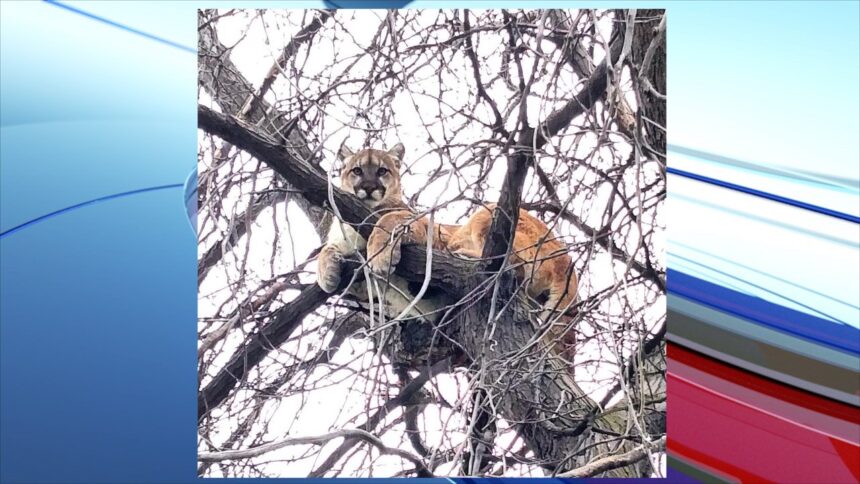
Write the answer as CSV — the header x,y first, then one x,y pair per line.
x,y
98,278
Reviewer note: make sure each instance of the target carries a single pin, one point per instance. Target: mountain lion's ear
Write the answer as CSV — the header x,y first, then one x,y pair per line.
x,y
397,151
344,152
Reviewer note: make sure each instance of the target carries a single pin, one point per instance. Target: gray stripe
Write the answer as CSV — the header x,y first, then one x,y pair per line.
x,y
766,359
767,372
753,331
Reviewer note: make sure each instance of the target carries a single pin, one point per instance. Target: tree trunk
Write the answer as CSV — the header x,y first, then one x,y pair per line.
x,y
649,33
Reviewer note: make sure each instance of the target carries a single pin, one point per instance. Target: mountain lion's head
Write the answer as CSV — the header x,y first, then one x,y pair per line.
x,y
372,175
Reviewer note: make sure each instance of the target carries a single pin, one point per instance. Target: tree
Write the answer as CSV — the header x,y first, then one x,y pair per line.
x,y
544,110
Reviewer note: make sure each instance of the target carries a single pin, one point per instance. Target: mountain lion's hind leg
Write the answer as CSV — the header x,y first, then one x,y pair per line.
x,y
468,240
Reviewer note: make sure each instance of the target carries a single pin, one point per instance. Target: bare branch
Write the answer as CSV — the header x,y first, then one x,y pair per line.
x,y
615,461
365,436
282,324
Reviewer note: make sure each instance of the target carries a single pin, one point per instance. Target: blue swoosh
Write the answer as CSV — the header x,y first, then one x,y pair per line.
x,y
84,204
751,308
759,287
122,26
765,195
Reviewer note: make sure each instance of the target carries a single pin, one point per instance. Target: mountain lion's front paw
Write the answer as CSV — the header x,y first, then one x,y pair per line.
x,y
385,260
328,272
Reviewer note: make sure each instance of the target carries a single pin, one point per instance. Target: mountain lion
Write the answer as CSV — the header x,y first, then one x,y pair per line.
x,y
540,259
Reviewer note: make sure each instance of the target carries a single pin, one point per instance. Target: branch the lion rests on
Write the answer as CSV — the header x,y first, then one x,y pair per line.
x,y
540,259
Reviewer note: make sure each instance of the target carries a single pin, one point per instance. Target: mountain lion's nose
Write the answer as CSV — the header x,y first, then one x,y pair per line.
x,y
370,187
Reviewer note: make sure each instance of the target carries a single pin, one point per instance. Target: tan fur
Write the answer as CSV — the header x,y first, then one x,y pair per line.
x,y
541,260
343,240
365,174
371,171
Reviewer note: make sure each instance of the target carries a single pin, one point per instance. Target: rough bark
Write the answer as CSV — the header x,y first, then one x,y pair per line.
x,y
649,52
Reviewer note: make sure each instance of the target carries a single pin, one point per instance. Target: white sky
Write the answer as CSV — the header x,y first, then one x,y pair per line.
x,y
328,408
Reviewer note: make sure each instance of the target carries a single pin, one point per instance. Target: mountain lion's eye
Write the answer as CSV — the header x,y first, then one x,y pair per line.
x,y
381,171
356,171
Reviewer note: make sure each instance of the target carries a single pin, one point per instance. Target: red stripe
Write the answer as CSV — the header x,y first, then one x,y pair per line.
x,y
765,385
736,437
850,455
